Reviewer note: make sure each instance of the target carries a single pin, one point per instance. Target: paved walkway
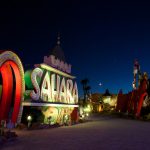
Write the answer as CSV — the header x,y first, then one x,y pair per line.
x,y
103,133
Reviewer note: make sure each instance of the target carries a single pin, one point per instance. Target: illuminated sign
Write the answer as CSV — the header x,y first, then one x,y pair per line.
x,y
54,86
10,64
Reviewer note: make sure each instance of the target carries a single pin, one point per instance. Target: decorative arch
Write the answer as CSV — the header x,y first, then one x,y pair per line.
x,y
9,64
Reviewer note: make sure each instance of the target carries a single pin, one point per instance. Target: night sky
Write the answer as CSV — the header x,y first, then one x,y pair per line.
x,y
100,39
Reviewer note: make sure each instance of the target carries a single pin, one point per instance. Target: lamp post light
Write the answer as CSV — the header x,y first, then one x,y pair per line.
x,y
29,119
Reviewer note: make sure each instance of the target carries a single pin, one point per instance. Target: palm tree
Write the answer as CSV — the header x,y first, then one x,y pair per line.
x,y
107,93
85,87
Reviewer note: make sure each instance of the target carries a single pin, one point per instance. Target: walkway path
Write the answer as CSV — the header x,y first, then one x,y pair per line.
x,y
103,133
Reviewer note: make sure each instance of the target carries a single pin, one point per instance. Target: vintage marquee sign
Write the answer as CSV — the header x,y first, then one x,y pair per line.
x,y
54,86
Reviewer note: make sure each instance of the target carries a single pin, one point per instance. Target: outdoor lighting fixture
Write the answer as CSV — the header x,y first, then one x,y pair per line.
x,y
87,109
29,119
83,116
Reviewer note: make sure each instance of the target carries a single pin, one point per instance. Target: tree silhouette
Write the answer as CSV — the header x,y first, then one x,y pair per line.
x,y
107,93
86,88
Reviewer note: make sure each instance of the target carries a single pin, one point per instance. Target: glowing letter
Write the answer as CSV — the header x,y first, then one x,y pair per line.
x,y
46,88
53,87
58,85
69,91
75,93
62,93
36,72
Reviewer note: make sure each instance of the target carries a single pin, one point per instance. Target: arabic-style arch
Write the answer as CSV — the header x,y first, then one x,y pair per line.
x,y
10,64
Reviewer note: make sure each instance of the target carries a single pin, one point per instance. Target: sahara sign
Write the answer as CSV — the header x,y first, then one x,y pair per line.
x,y
53,86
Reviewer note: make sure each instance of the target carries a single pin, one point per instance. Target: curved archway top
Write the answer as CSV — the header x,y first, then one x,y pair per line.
x,y
9,55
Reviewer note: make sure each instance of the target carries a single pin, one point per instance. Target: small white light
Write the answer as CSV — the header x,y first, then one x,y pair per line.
x,y
100,84
29,118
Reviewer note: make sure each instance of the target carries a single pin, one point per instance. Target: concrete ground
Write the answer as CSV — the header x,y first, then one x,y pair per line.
x,y
103,133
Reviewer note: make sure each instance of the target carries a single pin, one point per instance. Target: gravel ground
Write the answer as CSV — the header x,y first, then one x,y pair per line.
x,y
104,133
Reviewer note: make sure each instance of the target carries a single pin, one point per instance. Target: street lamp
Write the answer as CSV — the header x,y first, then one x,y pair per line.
x,y
29,119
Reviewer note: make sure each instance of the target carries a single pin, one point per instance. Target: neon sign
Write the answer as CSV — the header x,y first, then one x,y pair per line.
x,y
55,85
9,64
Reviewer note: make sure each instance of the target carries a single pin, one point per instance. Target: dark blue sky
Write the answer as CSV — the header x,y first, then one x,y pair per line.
x,y
100,39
